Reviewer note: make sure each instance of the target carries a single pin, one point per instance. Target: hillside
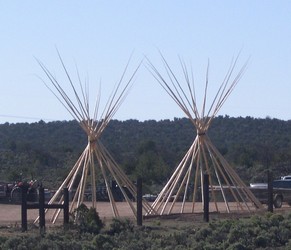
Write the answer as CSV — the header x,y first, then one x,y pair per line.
x,y
46,151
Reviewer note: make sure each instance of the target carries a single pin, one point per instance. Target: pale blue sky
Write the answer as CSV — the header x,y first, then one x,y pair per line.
x,y
100,36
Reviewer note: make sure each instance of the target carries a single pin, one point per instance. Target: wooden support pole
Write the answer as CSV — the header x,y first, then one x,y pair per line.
x,y
270,191
24,209
139,202
206,197
41,211
66,207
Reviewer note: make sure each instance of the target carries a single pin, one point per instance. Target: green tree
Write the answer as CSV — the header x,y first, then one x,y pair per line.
x,y
150,165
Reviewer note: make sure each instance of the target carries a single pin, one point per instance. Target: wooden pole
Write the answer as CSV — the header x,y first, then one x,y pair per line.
x,y
139,202
206,197
24,209
41,211
66,207
270,191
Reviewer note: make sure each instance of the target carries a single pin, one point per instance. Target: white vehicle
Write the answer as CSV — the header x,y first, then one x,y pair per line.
x,y
258,185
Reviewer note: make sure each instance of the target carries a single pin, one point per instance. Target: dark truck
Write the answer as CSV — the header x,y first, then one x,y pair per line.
x,y
281,191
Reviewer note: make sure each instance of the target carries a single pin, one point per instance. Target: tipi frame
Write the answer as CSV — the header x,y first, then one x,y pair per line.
x,y
95,156
202,157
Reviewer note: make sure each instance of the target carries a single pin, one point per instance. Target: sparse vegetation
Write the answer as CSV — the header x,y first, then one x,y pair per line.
x,y
269,231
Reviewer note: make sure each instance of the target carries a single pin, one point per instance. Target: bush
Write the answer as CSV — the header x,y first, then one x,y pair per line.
x,y
12,243
203,233
103,242
2,240
88,220
261,241
117,226
180,238
237,246
265,232
275,219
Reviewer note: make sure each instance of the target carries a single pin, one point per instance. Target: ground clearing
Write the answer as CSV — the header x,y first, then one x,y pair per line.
x,y
11,214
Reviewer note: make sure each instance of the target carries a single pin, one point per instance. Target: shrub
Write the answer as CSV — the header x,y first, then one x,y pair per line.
x,y
237,246
275,219
261,241
284,235
2,240
88,220
203,233
12,243
117,226
102,241
180,238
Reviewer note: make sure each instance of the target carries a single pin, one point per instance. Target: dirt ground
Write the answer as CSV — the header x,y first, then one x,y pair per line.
x,y
11,214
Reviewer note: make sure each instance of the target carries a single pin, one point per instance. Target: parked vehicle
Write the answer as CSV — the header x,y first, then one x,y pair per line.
x,y
11,192
281,191
102,193
150,197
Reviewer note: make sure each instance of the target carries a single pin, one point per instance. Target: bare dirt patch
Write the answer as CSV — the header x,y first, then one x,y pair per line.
x,y
11,214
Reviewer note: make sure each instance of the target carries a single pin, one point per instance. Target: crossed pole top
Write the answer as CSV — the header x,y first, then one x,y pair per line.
x,y
78,105
185,96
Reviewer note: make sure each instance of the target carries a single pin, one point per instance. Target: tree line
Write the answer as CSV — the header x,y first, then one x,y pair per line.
x,y
151,149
